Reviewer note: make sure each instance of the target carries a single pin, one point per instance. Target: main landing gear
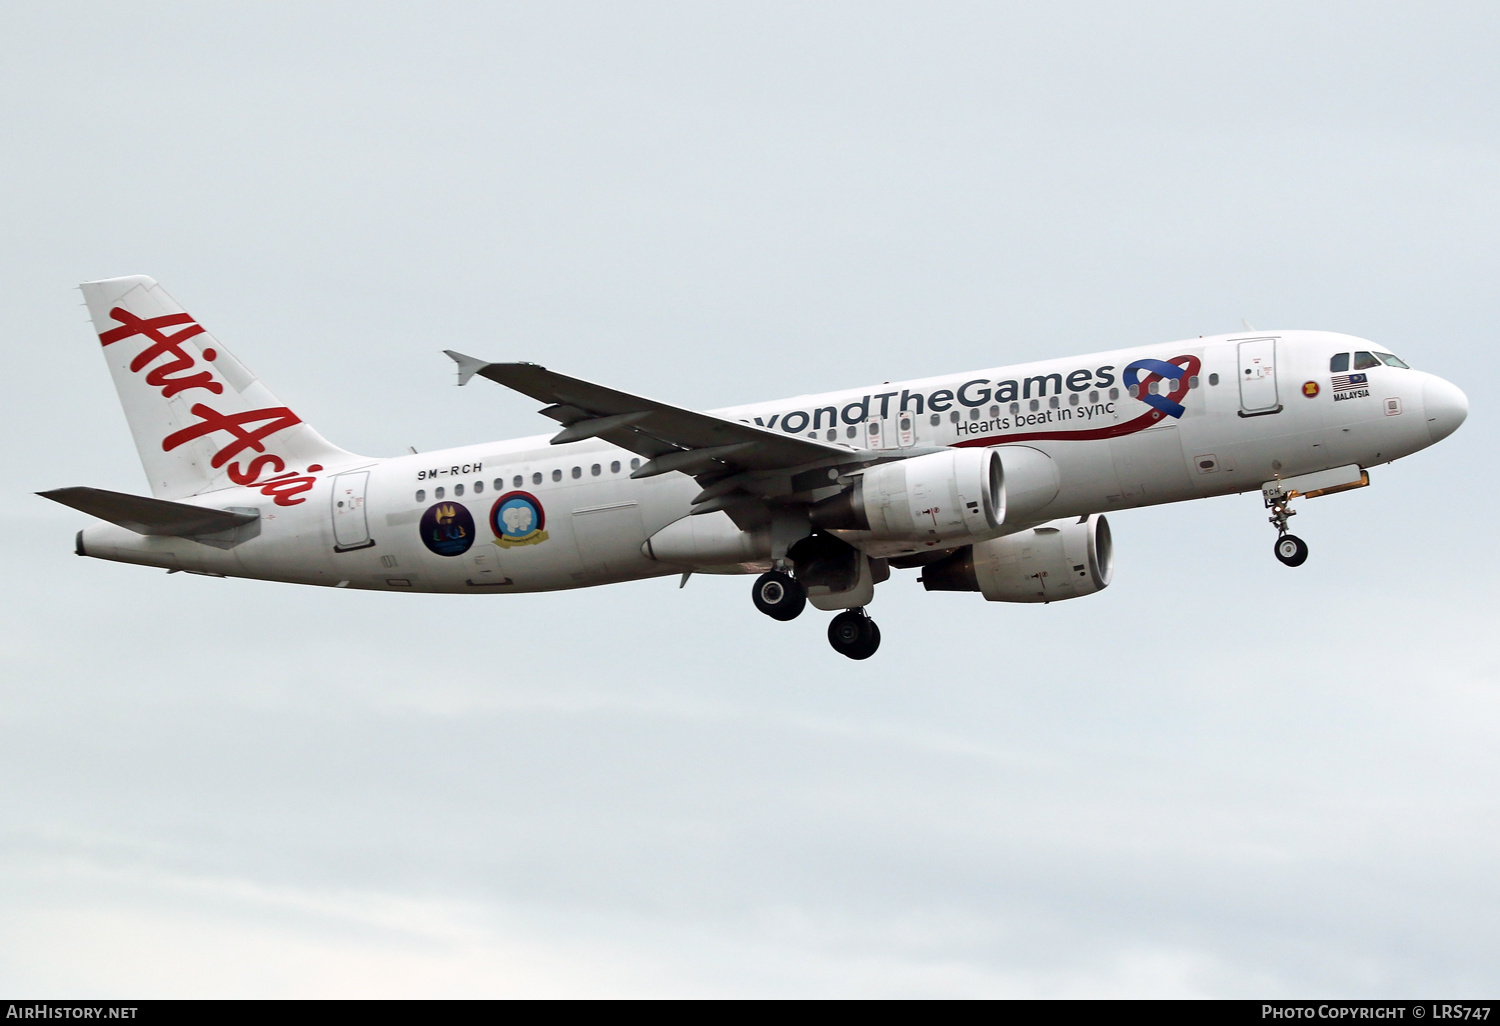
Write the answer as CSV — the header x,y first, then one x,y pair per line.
x,y
852,633
1291,550
778,595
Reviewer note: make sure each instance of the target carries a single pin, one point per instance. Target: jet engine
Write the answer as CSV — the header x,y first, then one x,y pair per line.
x,y
962,494
943,496
1059,560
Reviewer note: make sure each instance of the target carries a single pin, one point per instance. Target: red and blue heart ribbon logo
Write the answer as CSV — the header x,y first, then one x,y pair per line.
x,y
1161,369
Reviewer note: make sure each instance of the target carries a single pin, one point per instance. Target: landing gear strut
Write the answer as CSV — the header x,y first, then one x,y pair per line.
x,y
1291,550
778,595
852,633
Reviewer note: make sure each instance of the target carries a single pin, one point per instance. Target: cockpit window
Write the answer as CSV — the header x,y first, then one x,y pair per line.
x,y
1364,361
1392,361
1339,363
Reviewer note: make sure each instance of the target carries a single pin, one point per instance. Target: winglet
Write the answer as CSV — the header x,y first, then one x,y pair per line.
x,y
467,365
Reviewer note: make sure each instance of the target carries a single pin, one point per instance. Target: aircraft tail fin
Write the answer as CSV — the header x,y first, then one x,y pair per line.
x,y
201,420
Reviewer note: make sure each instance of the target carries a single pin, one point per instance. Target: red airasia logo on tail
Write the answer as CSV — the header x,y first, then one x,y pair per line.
x,y
172,377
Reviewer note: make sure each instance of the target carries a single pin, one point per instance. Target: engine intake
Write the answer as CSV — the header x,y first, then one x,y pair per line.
x,y
1059,560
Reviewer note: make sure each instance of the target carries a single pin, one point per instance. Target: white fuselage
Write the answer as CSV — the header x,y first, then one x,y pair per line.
x,y
1242,423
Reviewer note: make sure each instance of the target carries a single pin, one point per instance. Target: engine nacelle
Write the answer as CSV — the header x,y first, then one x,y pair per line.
x,y
943,496
1059,560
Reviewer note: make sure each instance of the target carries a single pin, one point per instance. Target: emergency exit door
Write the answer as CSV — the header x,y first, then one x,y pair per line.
x,y
351,528
1258,394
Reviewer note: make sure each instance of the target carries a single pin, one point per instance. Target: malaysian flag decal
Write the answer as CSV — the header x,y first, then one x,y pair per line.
x,y
1344,382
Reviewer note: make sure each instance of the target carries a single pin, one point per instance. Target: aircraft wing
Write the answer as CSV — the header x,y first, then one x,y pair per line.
x,y
672,438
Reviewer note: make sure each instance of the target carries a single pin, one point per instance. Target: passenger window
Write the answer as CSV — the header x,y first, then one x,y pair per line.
x,y
500,483
536,478
1364,361
994,412
635,464
1114,393
1052,402
557,475
1093,397
577,473
437,493
595,469
1213,379
1391,361
478,487
458,490
953,416
1015,409
1035,405
851,431
1339,364
974,413
1073,399
833,433
614,468
1193,381
421,495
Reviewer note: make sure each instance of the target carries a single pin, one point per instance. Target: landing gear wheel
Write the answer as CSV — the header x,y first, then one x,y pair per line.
x,y
778,596
1291,550
854,634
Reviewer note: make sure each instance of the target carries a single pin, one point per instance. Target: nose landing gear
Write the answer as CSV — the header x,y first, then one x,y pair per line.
x,y
852,633
1290,550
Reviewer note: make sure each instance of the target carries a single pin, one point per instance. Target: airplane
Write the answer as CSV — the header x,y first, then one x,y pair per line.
x,y
994,481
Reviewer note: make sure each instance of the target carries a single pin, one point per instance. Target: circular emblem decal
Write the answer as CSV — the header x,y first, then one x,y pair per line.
x,y
448,528
1310,389
517,519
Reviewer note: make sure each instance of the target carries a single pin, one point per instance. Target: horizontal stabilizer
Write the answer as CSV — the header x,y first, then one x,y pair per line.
x,y
149,516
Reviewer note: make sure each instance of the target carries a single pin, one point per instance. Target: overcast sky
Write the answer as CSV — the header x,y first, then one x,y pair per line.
x,y
1220,777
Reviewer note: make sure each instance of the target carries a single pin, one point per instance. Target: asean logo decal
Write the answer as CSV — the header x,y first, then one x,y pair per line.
x,y
448,528
517,519
1310,389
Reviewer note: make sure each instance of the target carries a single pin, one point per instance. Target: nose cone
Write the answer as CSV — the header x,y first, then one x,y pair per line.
x,y
1446,407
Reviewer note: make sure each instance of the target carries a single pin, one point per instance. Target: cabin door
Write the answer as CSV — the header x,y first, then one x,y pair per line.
x,y
1258,378
351,528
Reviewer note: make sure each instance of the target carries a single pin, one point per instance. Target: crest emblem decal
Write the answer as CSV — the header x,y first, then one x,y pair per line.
x,y
448,528
517,518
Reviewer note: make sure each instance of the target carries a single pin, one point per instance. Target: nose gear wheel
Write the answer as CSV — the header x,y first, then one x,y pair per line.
x,y
1290,550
